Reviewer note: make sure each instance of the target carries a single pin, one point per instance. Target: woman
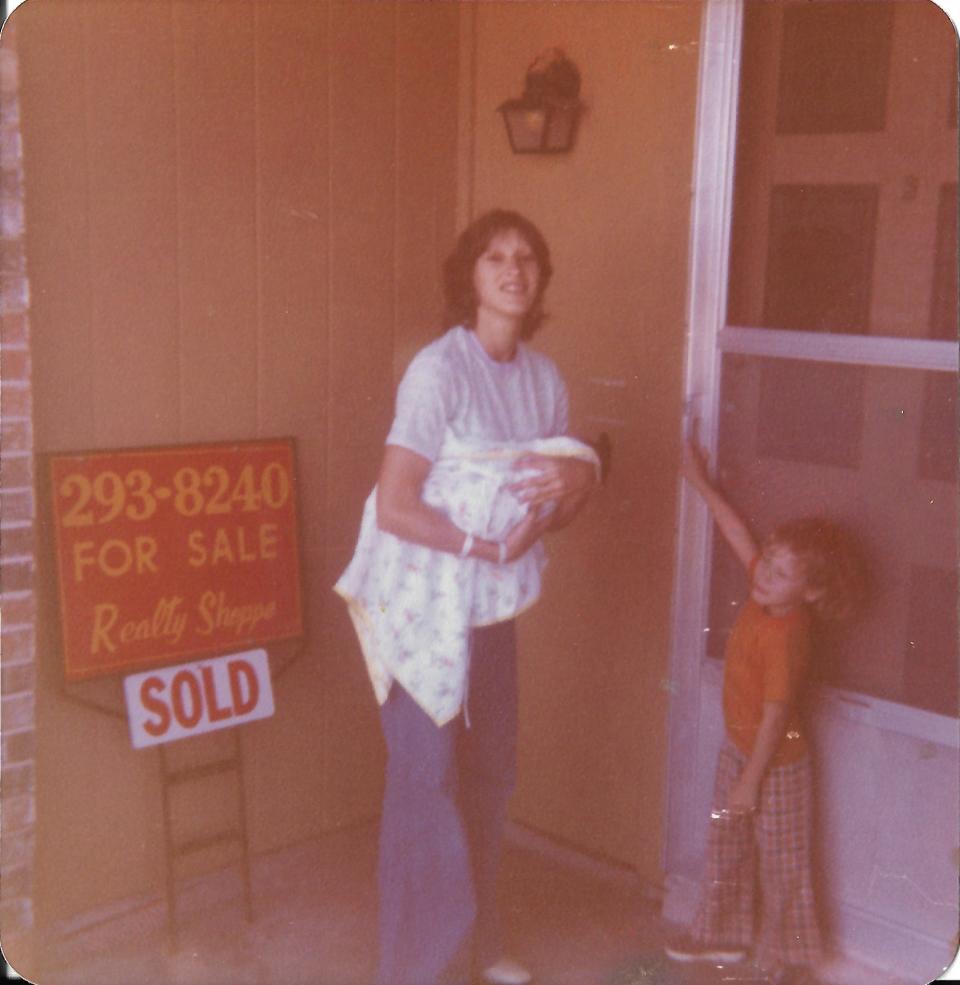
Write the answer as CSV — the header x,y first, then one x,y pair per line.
x,y
448,712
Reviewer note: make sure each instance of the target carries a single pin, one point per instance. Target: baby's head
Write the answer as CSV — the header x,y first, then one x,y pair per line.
x,y
812,561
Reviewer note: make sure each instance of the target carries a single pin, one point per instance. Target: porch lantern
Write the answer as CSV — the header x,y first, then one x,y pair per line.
x,y
544,119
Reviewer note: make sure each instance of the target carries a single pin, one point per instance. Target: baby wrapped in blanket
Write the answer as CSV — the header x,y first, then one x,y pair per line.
x,y
412,606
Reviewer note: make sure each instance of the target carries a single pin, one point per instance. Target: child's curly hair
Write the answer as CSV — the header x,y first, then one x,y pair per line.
x,y
833,561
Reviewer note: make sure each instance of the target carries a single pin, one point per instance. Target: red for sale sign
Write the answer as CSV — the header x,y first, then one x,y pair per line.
x,y
166,553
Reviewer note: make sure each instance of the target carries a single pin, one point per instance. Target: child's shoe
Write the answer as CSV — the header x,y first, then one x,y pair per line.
x,y
686,948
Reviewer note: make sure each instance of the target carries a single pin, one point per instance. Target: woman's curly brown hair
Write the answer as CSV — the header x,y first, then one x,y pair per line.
x,y
458,289
833,562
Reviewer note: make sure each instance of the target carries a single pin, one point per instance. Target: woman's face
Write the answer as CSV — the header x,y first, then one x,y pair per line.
x,y
506,277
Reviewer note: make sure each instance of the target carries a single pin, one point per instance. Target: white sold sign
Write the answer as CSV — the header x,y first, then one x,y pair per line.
x,y
189,699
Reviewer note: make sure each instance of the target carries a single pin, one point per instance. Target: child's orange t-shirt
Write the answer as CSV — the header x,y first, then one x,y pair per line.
x,y
767,659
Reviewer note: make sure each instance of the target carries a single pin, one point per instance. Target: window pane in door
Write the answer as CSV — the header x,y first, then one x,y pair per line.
x,y
845,195
826,431
943,307
937,441
827,84
820,245
879,457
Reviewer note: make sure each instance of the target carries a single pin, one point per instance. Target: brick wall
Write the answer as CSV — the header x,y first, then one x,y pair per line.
x,y
17,639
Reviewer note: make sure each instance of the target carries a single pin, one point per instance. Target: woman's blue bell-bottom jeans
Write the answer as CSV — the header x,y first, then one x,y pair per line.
x,y
444,810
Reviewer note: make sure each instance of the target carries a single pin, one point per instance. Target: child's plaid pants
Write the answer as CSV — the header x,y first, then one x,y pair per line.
x,y
758,865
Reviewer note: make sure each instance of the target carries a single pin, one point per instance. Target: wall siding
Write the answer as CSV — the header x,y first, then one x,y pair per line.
x,y
219,252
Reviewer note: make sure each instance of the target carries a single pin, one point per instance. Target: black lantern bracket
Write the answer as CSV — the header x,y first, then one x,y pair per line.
x,y
544,119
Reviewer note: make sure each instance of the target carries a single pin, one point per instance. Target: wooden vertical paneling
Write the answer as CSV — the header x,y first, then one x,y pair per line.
x,y
293,182
427,66
216,204
132,180
292,200
218,197
57,150
362,228
53,106
105,375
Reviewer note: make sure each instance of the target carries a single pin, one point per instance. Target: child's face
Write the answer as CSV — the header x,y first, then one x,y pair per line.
x,y
780,580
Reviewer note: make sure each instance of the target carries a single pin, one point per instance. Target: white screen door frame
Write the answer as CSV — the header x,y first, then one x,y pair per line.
x,y
693,679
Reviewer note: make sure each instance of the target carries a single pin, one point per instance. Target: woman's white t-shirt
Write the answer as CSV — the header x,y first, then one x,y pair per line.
x,y
471,416
454,387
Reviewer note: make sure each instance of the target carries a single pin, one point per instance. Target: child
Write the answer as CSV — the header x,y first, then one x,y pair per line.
x,y
762,793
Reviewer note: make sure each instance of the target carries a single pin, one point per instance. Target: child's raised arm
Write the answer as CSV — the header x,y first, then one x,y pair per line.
x,y
734,530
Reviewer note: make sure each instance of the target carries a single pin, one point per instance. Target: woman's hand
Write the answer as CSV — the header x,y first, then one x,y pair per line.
x,y
558,477
523,535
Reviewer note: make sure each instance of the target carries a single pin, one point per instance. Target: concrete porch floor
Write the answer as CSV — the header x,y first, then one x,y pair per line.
x,y
571,921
